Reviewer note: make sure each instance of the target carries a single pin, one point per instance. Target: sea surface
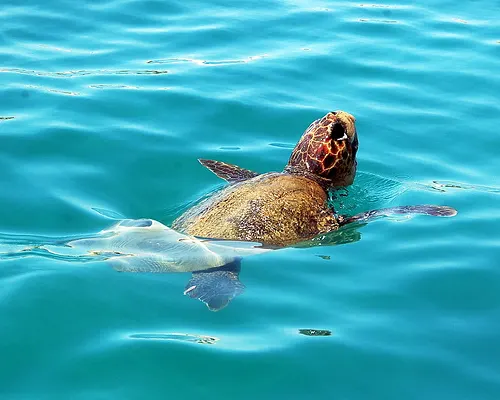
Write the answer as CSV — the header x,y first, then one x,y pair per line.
x,y
105,107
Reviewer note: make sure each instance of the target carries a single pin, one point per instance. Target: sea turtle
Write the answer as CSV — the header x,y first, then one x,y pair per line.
x,y
255,213
283,208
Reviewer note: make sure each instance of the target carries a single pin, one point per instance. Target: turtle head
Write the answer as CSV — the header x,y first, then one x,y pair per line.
x,y
327,150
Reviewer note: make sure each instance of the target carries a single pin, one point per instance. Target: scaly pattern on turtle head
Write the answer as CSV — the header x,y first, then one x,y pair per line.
x,y
327,150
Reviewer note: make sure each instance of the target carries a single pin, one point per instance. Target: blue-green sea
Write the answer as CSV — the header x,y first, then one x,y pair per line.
x,y
108,104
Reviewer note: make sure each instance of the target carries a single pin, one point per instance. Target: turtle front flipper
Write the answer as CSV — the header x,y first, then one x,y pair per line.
x,y
229,172
216,287
426,209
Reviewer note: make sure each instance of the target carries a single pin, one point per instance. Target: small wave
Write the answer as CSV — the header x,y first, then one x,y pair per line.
x,y
110,86
111,214
52,90
282,145
369,191
206,62
446,186
379,21
384,6
80,73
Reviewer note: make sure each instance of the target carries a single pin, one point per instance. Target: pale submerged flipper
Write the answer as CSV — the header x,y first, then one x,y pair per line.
x,y
148,246
216,287
145,245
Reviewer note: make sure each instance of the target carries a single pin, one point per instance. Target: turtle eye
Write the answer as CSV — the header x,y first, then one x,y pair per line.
x,y
337,131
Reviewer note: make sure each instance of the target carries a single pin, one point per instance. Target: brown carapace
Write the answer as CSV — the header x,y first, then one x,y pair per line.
x,y
326,152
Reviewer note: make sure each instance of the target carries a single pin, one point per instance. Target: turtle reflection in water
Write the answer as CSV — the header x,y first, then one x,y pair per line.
x,y
284,208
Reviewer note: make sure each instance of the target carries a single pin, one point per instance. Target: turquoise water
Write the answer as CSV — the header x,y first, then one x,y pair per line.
x,y
108,104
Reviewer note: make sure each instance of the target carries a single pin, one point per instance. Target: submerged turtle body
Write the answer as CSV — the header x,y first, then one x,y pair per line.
x,y
281,208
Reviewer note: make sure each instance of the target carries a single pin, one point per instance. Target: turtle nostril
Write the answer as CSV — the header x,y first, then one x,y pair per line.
x,y
337,131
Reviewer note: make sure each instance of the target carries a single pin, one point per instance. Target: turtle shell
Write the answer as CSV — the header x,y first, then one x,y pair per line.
x,y
274,208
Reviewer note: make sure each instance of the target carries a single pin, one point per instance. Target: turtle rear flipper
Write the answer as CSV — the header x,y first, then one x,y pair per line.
x,y
229,172
216,287
426,209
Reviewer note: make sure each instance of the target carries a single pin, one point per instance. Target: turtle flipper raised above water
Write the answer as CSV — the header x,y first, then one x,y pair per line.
x,y
229,172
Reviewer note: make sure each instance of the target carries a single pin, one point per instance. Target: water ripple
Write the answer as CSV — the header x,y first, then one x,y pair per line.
x,y
206,62
180,337
76,74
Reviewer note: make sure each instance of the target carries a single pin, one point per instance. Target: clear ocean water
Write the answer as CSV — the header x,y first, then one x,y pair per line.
x,y
108,105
